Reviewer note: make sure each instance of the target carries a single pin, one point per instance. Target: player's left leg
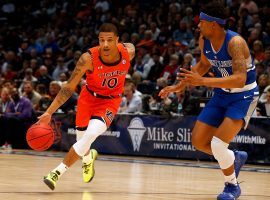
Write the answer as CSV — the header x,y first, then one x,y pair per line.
x,y
95,128
225,157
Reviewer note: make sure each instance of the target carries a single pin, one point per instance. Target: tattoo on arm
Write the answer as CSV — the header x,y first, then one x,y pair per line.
x,y
131,50
64,94
238,58
81,62
68,89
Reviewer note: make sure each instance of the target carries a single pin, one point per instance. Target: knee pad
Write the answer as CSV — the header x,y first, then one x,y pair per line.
x,y
79,134
222,154
95,128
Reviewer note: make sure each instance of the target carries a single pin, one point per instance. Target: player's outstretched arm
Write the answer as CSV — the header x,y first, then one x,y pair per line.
x,y
200,69
131,50
83,64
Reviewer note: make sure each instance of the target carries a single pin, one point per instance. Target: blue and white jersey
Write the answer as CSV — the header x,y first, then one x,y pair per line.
x,y
221,63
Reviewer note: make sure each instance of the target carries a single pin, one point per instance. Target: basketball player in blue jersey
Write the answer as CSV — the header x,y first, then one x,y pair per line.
x,y
235,94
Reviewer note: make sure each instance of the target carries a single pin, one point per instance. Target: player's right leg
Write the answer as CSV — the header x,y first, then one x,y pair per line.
x,y
202,135
84,112
54,175
208,121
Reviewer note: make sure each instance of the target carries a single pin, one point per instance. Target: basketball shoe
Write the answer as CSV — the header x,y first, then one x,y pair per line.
x,y
230,192
51,178
240,159
88,168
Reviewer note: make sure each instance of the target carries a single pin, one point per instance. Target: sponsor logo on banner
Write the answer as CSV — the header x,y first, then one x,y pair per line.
x,y
111,133
160,138
246,139
136,131
170,140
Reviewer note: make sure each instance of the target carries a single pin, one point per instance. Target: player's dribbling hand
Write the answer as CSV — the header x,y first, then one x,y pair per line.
x,y
45,118
165,91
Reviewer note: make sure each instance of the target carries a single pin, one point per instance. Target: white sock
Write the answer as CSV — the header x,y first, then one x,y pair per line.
x,y
62,168
231,179
87,158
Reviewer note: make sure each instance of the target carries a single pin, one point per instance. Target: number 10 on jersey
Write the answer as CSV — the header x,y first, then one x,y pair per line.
x,y
110,82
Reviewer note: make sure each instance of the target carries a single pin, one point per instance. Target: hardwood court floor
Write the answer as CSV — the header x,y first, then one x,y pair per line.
x,y
21,179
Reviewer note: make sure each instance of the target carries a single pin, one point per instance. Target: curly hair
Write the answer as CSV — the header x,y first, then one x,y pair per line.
x,y
215,9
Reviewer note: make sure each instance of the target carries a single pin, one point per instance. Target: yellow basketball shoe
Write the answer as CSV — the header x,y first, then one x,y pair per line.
x,y
51,178
88,168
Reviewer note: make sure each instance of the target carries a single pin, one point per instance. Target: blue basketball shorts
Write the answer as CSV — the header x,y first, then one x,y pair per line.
x,y
231,105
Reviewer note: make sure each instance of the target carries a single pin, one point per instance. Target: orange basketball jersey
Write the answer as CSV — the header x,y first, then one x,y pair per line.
x,y
108,79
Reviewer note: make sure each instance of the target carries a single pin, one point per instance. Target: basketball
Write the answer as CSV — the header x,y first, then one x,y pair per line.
x,y
40,137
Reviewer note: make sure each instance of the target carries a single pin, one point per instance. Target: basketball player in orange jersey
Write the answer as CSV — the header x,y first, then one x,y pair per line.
x,y
106,67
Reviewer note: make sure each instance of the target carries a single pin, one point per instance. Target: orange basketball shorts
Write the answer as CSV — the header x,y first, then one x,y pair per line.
x,y
90,106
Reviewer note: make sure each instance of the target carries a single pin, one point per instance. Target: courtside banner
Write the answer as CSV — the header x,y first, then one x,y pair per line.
x,y
158,136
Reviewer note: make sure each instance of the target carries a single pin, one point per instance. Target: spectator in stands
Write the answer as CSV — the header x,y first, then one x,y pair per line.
x,y
48,62
232,24
189,61
250,5
258,50
19,120
155,30
155,104
63,78
197,54
10,74
189,18
28,76
140,68
6,106
254,35
185,104
194,42
103,4
169,71
34,65
266,61
260,69
21,72
168,51
60,68
266,35
263,82
34,45
182,33
71,65
30,93
51,44
264,107
10,58
157,68
44,77
129,79
245,22
130,103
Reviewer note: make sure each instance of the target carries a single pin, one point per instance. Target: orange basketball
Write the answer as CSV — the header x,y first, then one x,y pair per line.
x,y
40,137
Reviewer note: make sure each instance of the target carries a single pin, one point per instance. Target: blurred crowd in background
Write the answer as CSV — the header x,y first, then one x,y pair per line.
x,y
41,41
